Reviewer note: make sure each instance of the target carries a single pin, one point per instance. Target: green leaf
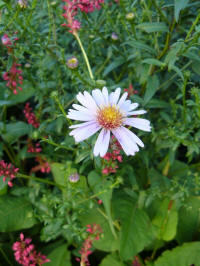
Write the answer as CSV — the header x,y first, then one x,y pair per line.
x,y
178,6
16,214
189,222
113,65
59,173
185,255
151,88
107,242
110,261
136,232
141,46
60,256
153,27
166,220
15,131
152,61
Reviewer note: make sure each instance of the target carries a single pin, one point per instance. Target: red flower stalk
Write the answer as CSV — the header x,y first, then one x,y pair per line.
x,y
69,15
112,158
94,234
14,78
30,116
131,90
25,253
43,165
8,171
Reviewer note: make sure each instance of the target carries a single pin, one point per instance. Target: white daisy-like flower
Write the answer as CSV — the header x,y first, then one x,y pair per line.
x,y
110,114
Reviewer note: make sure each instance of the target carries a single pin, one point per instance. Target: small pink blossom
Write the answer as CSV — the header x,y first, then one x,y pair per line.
x,y
8,171
30,116
6,40
25,253
33,148
43,165
14,78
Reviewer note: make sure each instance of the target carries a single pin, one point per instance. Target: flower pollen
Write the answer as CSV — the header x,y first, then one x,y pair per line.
x,y
110,117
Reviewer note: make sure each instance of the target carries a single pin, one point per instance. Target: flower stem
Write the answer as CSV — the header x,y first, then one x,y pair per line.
x,y
40,180
84,55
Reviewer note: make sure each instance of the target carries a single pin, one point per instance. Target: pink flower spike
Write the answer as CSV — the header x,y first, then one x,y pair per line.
x,y
8,171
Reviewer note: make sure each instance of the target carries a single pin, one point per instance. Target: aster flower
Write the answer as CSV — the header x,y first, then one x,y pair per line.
x,y
110,114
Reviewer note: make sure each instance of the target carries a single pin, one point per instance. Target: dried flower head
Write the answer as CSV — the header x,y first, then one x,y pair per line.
x,y
72,62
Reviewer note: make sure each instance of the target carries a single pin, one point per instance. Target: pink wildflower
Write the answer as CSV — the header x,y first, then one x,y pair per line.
x,y
30,116
136,261
88,6
8,171
131,90
32,148
111,158
14,78
43,165
94,234
70,13
25,253
6,40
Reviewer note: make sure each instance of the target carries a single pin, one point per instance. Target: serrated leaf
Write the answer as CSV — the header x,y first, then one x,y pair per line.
x,y
16,214
60,256
178,6
185,255
153,27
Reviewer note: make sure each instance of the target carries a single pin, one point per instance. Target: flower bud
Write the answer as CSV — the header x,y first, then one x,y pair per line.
x,y
100,83
72,62
130,16
74,178
114,36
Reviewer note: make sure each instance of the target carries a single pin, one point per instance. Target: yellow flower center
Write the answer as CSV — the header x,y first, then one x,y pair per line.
x,y
110,117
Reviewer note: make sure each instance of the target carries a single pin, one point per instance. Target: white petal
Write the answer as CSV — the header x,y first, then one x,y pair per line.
x,y
81,108
90,101
139,112
133,137
122,99
133,106
77,115
129,146
139,123
84,132
98,97
105,94
102,143
125,106
114,96
82,124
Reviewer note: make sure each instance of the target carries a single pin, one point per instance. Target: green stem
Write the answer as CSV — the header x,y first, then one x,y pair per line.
x,y
9,154
192,27
57,145
40,180
4,255
62,109
84,55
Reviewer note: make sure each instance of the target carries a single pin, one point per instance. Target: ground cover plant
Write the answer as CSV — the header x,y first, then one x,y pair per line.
x,y
100,132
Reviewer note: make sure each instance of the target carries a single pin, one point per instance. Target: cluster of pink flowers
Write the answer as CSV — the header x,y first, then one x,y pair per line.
x,y
32,148
94,234
43,165
30,116
8,171
25,253
14,78
71,10
112,158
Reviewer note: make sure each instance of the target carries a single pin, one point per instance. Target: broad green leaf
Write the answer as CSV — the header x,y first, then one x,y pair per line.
x,y
110,261
153,27
107,242
166,220
185,255
137,231
15,131
189,222
151,88
178,6
59,173
22,96
60,256
16,214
